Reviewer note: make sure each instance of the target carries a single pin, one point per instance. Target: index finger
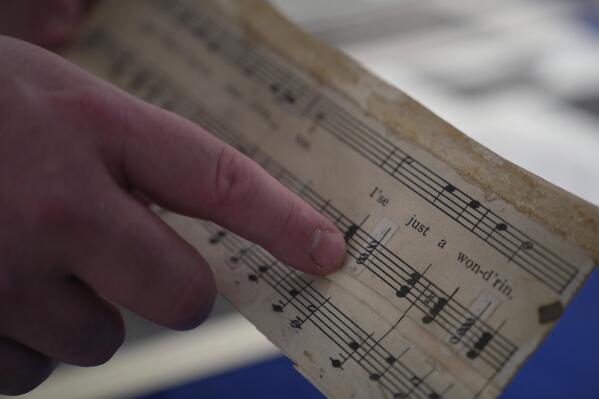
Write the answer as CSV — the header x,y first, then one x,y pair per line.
x,y
184,168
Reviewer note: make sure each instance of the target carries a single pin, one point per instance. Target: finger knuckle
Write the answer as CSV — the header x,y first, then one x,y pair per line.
x,y
233,180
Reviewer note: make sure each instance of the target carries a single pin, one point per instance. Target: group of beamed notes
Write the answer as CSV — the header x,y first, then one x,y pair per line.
x,y
453,276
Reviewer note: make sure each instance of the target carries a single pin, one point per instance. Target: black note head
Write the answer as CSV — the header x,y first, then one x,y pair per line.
x,y
293,292
390,359
252,277
353,345
501,227
277,308
474,204
336,363
527,245
440,304
351,231
263,269
449,188
375,377
402,292
485,338
414,277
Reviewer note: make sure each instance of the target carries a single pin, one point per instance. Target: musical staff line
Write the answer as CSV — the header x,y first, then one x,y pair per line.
x,y
348,336
295,94
496,352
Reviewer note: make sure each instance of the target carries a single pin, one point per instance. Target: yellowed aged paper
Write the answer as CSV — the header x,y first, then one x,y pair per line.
x,y
459,263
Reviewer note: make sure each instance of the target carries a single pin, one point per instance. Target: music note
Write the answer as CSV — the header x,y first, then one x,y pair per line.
x,y
353,345
351,231
240,254
264,268
438,307
448,188
217,237
434,311
404,290
370,248
480,345
474,204
526,246
295,293
498,227
282,94
276,307
296,323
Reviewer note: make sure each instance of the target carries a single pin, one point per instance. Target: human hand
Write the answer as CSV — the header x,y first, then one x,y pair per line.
x,y
74,240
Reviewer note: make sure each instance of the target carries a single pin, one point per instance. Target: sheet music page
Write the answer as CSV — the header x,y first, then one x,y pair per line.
x,y
458,262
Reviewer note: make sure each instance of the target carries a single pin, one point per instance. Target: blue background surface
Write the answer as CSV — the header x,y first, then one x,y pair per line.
x,y
566,366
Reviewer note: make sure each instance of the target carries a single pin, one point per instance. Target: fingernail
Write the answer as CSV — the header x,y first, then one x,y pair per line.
x,y
327,250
